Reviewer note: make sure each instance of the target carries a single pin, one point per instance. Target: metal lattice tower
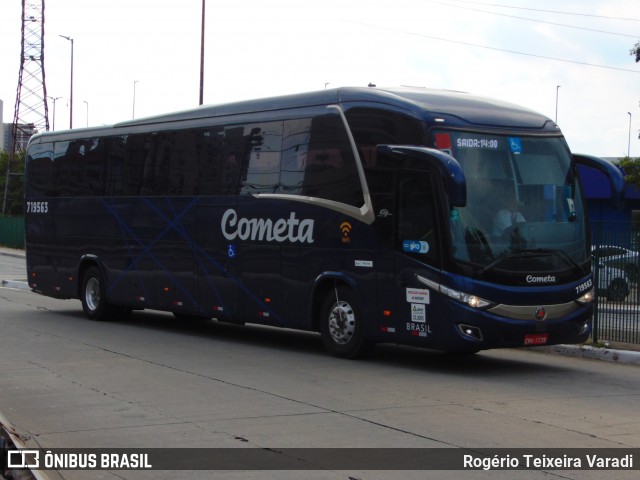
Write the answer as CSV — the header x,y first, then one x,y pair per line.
x,y
31,114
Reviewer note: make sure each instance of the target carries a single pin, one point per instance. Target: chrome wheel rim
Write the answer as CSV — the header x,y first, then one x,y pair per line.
x,y
342,323
92,294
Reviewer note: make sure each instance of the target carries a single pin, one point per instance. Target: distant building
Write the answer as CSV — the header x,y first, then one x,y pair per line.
x,y
25,133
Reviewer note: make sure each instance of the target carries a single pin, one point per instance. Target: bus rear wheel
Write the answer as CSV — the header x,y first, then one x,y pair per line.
x,y
94,296
341,325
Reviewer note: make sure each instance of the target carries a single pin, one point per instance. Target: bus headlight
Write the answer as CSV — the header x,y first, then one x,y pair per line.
x,y
470,300
587,298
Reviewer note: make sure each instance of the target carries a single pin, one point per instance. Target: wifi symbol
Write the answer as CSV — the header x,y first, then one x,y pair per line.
x,y
345,227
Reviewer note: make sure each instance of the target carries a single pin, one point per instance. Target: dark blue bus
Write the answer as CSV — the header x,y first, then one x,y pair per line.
x,y
408,216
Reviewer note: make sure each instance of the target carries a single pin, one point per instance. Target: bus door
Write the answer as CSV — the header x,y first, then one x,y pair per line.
x,y
417,251
216,261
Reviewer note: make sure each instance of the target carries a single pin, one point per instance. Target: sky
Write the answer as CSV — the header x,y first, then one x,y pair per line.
x,y
536,53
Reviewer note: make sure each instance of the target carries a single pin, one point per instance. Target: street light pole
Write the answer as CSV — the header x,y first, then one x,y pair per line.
x,y
629,141
557,89
87,103
71,94
133,114
202,58
53,127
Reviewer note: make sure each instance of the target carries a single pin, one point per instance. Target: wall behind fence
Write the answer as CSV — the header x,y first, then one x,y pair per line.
x,y
12,232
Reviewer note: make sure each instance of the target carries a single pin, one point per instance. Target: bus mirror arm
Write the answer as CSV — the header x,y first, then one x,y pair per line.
x,y
612,172
446,166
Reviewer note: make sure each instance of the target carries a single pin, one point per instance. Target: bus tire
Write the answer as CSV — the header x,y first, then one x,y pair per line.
x,y
341,325
93,296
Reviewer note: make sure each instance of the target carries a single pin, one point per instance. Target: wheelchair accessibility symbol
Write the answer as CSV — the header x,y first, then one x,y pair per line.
x,y
231,251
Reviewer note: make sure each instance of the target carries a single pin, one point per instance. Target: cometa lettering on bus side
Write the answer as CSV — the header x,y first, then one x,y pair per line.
x,y
282,230
541,279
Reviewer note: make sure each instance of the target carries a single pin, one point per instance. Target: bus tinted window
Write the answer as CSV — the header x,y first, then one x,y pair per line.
x,y
114,154
318,161
310,157
68,167
417,229
218,169
371,127
260,153
189,162
39,170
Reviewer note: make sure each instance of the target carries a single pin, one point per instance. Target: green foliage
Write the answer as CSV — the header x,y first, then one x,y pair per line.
x,y
635,51
631,170
15,193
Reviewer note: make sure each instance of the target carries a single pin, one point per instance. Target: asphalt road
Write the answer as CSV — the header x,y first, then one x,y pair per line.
x,y
151,382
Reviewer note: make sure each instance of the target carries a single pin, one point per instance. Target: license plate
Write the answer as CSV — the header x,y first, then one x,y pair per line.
x,y
536,339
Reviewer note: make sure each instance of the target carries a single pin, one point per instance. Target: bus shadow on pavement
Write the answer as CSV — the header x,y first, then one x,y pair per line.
x,y
483,363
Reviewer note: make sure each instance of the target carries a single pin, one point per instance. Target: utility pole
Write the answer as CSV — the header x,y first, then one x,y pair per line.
x,y
202,57
31,114
71,83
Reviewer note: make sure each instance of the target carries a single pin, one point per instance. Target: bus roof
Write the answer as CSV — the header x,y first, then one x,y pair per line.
x,y
450,108
458,108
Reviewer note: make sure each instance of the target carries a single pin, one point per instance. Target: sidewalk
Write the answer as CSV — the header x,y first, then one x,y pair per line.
x,y
627,353
15,279
11,252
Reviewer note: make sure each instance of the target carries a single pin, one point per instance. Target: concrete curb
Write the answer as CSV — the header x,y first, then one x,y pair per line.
x,y
22,285
585,351
12,253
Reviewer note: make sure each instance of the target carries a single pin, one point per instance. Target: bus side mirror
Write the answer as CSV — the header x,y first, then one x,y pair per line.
x,y
609,170
447,167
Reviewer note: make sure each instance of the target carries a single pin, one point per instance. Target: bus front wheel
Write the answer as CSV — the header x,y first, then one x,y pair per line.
x,y
341,325
93,296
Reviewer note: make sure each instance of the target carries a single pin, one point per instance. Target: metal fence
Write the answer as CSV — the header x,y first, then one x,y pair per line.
x,y
12,231
616,269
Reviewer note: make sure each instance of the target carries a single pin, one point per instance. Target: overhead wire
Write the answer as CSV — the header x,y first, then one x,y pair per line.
x,y
486,47
577,62
448,4
578,14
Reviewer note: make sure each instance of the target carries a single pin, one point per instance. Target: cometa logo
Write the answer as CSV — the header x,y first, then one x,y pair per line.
x,y
541,279
264,229
345,228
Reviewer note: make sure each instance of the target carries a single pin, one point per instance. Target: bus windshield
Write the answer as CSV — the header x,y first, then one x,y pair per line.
x,y
524,207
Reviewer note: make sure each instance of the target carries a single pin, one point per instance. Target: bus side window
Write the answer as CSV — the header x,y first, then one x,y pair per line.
x,y
417,222
215,175
40,170
94,168
318,161
261,158
68,166
184,161
295,145
372,127
115,165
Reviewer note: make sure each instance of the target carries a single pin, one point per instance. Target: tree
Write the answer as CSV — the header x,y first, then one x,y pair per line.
x,y
15,193
630,168
635,51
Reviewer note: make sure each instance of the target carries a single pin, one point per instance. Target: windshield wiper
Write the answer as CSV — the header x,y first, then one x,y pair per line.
x,y
551,251
532,253
498,260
